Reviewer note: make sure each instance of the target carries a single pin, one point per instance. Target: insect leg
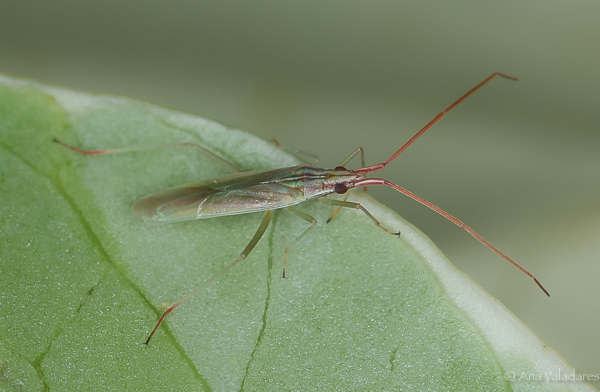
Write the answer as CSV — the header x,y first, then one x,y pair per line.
x,y
197,147
353,154
257,236
309,219
337,210
298,153
358,206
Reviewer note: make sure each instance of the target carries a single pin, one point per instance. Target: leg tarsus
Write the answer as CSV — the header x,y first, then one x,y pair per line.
x,y
257,236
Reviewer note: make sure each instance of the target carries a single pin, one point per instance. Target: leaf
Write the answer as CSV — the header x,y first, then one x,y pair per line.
x,y
82,281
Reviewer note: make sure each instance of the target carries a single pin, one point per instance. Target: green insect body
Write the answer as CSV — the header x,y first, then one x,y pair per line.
x,y
242,193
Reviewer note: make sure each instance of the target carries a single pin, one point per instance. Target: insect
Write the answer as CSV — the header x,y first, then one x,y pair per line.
x,y
246,192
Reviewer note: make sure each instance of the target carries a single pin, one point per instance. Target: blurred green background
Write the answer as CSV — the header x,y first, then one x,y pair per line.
x,y
518,162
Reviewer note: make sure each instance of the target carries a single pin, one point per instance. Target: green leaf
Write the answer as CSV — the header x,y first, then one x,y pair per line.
x,y
82,281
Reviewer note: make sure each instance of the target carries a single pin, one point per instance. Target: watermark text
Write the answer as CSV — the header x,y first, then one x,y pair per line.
x,y
553,376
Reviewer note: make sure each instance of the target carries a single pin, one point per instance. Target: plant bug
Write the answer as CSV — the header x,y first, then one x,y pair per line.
x,y
246,192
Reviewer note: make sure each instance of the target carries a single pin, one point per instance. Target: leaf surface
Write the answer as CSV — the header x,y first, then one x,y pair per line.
x,y
83,281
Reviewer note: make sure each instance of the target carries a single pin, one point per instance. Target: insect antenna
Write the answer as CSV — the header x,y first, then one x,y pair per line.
x,y
380,166
381,181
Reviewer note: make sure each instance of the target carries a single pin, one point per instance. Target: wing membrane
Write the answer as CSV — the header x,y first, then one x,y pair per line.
x,y
200,202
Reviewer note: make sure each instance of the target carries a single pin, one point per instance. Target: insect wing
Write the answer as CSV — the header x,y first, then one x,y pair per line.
x,y
171,205
254,198
189,203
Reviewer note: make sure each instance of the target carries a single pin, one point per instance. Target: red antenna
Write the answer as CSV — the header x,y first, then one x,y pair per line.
x,y
381,181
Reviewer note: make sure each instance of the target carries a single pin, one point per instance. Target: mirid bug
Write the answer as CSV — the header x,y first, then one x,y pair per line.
x,y
246,192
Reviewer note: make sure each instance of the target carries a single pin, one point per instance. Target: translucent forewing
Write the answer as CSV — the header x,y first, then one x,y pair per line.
x,y
240,193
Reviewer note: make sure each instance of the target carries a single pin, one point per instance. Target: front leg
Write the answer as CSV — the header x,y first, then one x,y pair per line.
x,y
358,206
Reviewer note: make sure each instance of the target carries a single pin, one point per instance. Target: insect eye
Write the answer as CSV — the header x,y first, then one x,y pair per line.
x,y
340,188
340,168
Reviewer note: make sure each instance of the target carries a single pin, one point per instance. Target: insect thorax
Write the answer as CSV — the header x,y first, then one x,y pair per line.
x,y
318,182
